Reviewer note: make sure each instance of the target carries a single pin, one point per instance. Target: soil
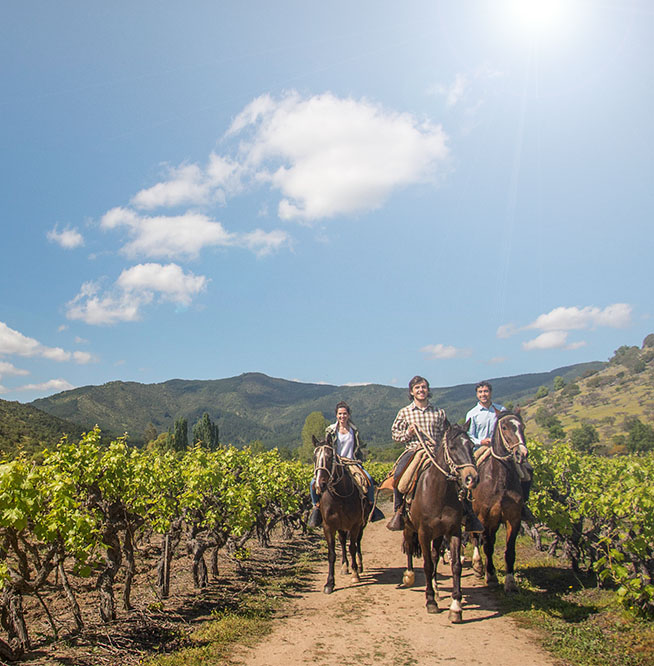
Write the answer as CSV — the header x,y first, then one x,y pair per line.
x,y
377,621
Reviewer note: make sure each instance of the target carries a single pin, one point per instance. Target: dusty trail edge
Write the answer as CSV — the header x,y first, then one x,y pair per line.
x,y
378,622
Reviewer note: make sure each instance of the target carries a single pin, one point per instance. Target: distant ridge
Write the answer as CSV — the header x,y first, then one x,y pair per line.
x,y
254,406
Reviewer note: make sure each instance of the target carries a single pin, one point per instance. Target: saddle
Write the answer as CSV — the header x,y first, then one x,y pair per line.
x,y
406,484
360,479
523,471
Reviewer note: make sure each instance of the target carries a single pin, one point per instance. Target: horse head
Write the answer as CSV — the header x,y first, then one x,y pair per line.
x,y
509,433
323,462
458,451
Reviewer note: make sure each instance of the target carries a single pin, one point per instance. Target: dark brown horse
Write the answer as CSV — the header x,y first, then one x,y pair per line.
x,y
341,507
436,512
498,498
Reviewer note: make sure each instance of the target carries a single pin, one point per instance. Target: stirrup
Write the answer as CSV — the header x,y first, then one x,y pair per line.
x,y
396,523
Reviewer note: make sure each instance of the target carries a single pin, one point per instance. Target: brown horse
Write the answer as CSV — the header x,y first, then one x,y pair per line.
x,y
436,512
341,507
498,497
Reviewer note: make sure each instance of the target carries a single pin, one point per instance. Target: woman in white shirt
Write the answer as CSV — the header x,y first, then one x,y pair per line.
x,y
345,436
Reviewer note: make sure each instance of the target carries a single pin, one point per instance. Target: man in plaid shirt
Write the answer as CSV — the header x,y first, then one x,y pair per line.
x,y
430,420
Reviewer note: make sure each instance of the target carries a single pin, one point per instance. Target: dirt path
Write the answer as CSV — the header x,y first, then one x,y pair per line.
x,y
375,622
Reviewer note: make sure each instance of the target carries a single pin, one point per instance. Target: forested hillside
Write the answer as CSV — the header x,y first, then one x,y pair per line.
x,y
609,411
25,428
254,406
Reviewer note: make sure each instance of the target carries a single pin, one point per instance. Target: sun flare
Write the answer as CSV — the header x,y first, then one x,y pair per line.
x,y
537,18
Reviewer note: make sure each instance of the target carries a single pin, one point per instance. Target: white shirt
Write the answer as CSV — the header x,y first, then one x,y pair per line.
x,y
345,445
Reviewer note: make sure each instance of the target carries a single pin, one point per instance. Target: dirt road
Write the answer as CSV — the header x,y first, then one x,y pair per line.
x,y
376,622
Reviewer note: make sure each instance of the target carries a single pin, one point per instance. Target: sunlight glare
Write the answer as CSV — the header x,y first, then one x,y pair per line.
x,y
537,17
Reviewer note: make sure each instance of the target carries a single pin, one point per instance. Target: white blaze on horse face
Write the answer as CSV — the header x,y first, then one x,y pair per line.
x,y
518,433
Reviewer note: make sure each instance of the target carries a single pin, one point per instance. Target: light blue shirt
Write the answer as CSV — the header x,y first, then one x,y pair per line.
x,y
482,422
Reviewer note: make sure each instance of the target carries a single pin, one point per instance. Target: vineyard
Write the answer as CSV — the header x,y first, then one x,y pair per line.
x,y
87,512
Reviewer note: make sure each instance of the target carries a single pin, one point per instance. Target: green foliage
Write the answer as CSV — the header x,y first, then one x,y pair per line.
x,y
542,391
550,422
314,426
648,341
583,437
559,383
150,433
206,431
179,435
640,436
629,357
602,509
571,389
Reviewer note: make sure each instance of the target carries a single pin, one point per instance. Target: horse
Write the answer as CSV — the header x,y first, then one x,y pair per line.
x,y
342,509
436,513
498,497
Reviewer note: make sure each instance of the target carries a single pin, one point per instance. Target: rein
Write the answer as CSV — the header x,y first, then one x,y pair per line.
x,y
508,448
337,464
452,474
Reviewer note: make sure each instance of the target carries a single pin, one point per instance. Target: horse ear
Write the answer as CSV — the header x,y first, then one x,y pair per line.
x,y
517,412
315,441
466,425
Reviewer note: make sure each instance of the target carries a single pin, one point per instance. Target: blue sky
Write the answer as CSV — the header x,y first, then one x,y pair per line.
x,y
328,192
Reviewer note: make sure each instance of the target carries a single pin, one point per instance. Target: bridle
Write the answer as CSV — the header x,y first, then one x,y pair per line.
x,y
511,449
333,475
452,474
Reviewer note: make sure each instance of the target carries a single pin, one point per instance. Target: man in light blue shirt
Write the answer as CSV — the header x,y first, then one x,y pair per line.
x,y
481,418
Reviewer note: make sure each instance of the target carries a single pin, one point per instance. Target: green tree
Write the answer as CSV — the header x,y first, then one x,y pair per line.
x,y
648,341
179,434
150,433
206,431
640,436
571,389
583,437
256,446
315,425
550,422
559,383
542,392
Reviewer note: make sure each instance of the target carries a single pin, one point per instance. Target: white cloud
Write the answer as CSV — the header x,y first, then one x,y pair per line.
x,y
169,281
264,242
135,288
617,315
357,384
68,238
507,330
497,359
330,156
13,342
456,91
53,385
440,351
9,369
551,340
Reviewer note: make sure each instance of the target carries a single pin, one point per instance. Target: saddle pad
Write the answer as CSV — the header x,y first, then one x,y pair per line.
x,y
360,479
407,481
481,454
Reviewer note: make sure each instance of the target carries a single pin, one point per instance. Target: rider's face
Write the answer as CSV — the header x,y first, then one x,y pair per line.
x,y
342,416
420,391
484,395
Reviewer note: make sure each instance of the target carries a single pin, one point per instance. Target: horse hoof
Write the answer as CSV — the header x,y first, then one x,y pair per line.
x,y
328,589
491,579
478,569
355,578
455,617
432,607
509,585
409,579
345,570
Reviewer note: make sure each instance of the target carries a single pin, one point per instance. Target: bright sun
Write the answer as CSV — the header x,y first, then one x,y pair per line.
x,y
537,17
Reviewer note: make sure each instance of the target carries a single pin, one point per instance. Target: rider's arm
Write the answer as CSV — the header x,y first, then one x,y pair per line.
x,y
399,429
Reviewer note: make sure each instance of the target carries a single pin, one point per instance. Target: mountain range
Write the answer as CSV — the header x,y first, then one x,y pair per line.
x,y
254,406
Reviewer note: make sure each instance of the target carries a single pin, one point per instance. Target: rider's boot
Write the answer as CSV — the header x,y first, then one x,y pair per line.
x,y
315,519
396,523
472,523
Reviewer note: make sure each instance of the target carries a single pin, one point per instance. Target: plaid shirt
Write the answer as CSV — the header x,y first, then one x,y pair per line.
x,y
430,421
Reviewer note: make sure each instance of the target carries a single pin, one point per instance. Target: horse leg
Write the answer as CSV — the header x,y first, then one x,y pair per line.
x,y
489,547
428,565
355,537
512,530
409,576
437,550
477,564
359,556
331,559
342,537
455,614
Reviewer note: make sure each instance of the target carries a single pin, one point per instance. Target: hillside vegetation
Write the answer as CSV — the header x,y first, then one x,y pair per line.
x,y
254,406
615,403
25,428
